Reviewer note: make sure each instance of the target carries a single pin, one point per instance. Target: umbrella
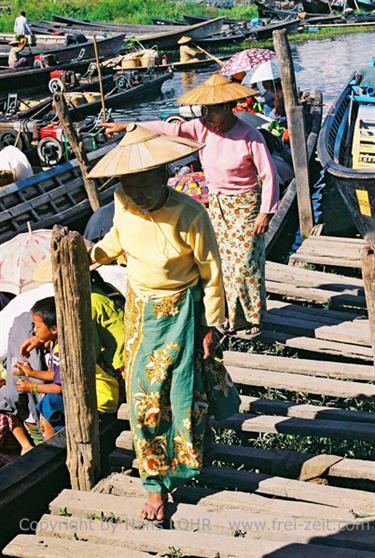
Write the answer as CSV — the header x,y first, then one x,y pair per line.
x,y
246,60
18,258
267,71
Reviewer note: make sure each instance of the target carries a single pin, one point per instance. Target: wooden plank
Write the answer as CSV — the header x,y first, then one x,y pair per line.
x,y
257,405
358,501
36,546
339,430
189,543
121,484
186,517
311,345
303,411
344,332
301,383
317,296
284,463
324,368
311,278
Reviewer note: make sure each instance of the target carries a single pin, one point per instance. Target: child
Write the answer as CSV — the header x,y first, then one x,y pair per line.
x,y
51,407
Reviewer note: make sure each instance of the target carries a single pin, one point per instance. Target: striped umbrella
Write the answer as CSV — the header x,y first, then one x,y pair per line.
x,y
247,60
18,258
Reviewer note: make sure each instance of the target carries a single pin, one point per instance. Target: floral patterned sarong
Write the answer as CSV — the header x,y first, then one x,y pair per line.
x,y
170,388
242,256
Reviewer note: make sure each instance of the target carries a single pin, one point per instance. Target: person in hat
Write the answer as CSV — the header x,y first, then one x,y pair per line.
x,y
173,302
187,53
243,192
14,58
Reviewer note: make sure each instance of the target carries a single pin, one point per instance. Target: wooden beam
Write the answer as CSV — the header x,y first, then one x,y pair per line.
x,y
297,131
70,132
71,280
368,273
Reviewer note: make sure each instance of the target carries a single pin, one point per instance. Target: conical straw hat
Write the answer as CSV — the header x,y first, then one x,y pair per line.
x,y
216,90
141,150
184,40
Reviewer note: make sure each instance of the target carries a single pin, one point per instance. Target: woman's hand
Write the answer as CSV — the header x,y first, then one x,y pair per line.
x,y
25,368
24,386
112,128
208,342
30,344
261,224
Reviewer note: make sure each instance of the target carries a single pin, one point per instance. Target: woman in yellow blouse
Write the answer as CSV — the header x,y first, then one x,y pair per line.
x,y
175,298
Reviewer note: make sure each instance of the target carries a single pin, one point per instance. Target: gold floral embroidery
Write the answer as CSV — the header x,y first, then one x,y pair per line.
x,y
152,455
168,306
161,361
134,309
186,453
152,407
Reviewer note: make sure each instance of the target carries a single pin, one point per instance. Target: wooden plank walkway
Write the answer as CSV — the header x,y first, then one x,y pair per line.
x,y
329,250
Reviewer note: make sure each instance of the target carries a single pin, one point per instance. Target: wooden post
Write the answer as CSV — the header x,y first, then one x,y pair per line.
x,y
297,133
368,274
69,130
71,281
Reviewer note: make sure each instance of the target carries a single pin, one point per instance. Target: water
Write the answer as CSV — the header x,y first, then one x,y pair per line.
x,y
327,64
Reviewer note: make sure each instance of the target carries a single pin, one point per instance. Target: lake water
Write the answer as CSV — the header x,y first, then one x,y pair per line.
x,y
327,64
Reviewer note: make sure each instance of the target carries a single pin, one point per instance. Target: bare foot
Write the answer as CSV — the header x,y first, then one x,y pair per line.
x,y
26,449
254,330
153,509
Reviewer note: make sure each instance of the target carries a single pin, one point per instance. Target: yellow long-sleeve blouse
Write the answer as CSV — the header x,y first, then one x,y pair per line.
x,y
168,250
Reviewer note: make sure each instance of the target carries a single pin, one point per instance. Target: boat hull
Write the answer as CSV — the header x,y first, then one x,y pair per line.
x,y
356,186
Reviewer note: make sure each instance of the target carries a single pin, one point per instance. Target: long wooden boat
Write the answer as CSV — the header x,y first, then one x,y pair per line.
x,y
56,196
263,32
346,150
36,79
164,39
106,47
267,10
222,40
193,19
184,66
288,202
161,21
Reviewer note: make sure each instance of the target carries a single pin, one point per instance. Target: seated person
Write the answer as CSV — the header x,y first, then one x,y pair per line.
x,y
274,100
187,53
14,58
51,407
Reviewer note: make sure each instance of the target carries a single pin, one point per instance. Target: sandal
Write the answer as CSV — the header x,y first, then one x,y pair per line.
x,y
250,335
155,508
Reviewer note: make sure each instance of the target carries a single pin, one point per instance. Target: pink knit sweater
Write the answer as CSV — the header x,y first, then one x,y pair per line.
x,y
232,160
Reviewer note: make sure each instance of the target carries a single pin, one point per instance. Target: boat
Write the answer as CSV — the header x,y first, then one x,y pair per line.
x,y
55,196
262,32
288,203
269,11
184,66
346,150
222,40
193,19
35,130
164,39
35,80
159,21
366,6
106,47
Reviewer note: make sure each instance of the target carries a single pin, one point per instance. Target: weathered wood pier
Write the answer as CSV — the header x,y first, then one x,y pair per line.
x,y
254,501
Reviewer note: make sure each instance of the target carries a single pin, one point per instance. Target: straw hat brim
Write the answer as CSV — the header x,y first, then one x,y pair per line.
x,y
42,272
216,95
184,40
141,150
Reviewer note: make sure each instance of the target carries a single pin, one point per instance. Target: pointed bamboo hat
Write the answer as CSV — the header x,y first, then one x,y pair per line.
x,y
141,150
215,90
184,40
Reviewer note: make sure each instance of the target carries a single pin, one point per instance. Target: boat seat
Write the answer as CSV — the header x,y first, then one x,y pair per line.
x,y
363,146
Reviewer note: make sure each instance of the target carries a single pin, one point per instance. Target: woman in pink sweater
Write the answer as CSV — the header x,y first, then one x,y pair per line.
x,y
243,192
